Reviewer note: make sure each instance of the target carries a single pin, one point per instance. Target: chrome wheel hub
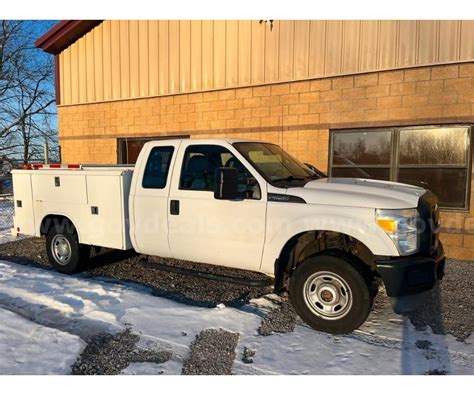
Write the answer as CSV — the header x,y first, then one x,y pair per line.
x,y
61,249
328,295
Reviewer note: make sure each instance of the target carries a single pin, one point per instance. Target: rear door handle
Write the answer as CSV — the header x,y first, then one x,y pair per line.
x,y
174,207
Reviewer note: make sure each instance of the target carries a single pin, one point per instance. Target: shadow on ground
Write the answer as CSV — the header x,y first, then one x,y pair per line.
x,y
449,309
126,267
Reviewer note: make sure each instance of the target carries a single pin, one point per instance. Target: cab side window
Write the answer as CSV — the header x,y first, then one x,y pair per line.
x,y
157,167
200,164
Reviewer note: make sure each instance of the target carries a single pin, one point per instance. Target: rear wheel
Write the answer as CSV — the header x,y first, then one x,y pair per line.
x,y
330,294
64,251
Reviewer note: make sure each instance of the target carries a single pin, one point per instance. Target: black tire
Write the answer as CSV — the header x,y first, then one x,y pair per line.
x,y
309,302
77,254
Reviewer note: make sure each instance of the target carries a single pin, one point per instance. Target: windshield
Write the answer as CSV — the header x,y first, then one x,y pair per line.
x,y
275,165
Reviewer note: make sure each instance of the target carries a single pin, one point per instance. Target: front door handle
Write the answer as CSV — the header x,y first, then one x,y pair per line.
x,y
174,207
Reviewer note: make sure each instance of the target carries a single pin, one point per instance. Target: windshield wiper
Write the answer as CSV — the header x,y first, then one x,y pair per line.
x,y
290,178
317,176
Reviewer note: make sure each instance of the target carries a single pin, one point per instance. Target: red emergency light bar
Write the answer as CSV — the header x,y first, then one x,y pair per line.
x,y
36,166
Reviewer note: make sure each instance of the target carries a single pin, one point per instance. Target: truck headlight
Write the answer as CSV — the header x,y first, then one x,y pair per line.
x,y
401,226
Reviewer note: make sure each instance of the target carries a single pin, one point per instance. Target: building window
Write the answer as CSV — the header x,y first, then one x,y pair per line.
x,y
128,148
435,158
362,154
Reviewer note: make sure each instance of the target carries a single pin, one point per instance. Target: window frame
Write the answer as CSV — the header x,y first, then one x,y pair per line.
x,y
183,160
395,156
172,152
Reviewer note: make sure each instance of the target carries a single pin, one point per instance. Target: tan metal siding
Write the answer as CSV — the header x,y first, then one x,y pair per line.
x,y
196,55
74,76
301,49
407,42
105,49
173,54
163,57
65,83
82,72
135,74
271,60
333,53
449,47
467,43
219,53
99,82
90,72
351,47
317,48
128,59
244,55
124,51
257,61
207,71
428,49
185,56
115,60
231,53
369,45
286,48
387,45
153,58
143,58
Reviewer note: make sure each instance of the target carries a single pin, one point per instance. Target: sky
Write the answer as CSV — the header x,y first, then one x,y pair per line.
x,y
37,28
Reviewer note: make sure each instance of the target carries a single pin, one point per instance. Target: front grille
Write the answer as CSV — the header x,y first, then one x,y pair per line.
x,y
428,210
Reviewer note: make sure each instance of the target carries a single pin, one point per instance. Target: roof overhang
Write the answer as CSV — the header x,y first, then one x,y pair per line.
x,y
63,34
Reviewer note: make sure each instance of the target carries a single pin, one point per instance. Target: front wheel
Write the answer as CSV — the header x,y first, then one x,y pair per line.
x,y
330,294
64,251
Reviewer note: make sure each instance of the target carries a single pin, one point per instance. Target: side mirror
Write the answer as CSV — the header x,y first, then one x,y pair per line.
x,y
251,182
226,185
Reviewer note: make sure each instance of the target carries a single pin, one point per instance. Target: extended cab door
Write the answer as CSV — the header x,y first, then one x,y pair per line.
x,y
149,198
204,229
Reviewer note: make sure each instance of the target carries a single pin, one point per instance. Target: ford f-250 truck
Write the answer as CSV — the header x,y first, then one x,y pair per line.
x,y
249,205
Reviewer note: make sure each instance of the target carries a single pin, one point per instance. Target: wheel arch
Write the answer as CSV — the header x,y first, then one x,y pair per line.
x,y
55,219
310,243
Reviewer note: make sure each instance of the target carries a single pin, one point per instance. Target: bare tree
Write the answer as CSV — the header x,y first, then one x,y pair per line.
x,y
27,113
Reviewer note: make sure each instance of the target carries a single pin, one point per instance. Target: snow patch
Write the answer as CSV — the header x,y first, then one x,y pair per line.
x,y
385,344
28,348
146,368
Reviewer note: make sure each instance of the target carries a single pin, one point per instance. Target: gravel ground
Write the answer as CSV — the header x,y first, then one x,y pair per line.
x,y
108,354
281,320
451,304
449,310
248,355
127,266
213,352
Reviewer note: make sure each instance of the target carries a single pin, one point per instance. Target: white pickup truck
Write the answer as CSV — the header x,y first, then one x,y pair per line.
x,y
249,205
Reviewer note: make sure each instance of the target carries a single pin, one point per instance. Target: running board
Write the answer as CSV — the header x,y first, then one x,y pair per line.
x,y
208,276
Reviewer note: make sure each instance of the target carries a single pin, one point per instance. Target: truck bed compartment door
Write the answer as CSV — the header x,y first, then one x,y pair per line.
x,y
23,202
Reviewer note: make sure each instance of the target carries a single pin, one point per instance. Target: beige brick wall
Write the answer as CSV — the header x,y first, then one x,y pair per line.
x,y
296,115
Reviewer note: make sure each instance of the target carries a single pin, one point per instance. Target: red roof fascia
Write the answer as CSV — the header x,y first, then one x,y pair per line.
x,y
64,34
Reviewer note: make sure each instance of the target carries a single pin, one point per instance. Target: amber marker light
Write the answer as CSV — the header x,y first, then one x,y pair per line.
x,y
387,224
